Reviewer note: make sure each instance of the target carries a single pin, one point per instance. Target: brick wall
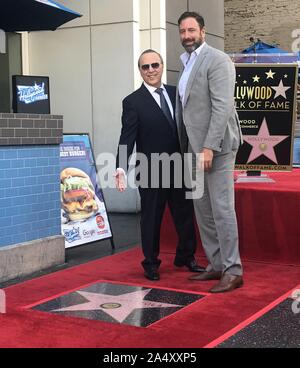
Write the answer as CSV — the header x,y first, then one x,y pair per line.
x,y
270,20
28,129
29,177
29,193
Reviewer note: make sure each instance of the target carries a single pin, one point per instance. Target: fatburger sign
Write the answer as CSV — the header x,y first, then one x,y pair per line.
x,y
83,212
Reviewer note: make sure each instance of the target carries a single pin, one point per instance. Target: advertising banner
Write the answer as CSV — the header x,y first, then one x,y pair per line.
x,y
265,96
83,211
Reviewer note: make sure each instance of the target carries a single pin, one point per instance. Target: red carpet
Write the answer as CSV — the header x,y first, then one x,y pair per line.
x,y
194,326
269,229
268,220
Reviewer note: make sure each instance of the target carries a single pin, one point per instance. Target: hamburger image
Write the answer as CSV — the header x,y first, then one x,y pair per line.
x,y
77,194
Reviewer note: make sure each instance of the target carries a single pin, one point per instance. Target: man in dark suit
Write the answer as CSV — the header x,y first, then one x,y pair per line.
x,y
148,122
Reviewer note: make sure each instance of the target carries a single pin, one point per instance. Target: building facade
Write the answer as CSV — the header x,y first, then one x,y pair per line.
x,y
272,21
92,64
92,61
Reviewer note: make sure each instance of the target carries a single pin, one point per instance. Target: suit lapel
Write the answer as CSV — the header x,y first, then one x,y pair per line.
x,y
194,71
151,102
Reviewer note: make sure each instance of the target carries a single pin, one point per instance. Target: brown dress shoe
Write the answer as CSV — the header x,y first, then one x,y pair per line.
x,y
228,282
206,276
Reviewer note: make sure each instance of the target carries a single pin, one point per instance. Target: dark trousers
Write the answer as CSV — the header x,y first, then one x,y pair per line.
x,y
153,204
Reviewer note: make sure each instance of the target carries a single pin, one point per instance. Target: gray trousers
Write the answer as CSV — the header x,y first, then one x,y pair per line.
x,y
216,217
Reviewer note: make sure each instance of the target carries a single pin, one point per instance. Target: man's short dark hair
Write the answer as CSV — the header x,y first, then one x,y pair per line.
x,y
150,51
194,15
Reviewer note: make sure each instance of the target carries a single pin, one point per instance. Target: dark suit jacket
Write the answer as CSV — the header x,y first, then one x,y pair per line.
x,y
144,124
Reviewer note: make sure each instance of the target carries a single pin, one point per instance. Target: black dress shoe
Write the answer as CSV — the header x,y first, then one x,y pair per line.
x,y
192,266
151,275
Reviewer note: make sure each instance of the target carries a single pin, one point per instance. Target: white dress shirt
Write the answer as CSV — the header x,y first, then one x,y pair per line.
x,y
188,61
156,96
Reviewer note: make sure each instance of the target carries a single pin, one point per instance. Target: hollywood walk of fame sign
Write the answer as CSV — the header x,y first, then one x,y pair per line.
x,y
265,97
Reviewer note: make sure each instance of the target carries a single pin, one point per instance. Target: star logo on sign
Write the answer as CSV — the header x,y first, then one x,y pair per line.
x,y
280,90
263,143
270,74
118,307
256,79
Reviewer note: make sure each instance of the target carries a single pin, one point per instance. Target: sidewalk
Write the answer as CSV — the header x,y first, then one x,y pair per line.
x,y
126,232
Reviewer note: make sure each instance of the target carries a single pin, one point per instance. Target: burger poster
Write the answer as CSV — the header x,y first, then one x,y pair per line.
x,y
83,213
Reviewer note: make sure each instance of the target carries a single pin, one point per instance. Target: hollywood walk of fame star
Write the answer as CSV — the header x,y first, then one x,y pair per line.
x,y
256,79
280,90
263,143
270,74
117,306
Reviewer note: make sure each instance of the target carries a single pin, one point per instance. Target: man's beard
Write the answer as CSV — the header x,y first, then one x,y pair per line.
x,y
193,47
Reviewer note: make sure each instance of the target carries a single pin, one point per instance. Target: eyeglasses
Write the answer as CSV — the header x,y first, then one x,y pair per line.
x,y
146,67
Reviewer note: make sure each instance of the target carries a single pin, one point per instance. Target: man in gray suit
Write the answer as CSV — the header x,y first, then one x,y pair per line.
x,y
208,125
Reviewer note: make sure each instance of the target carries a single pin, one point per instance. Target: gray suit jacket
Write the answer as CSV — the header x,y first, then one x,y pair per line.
x,y
208,113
